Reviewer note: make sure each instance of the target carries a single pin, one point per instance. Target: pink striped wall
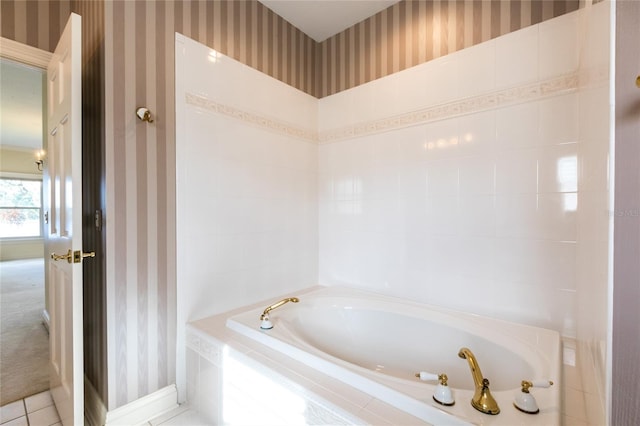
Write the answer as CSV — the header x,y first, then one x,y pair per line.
x,y
140,163
412,32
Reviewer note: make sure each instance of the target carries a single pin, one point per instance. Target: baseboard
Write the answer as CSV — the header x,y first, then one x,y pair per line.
x,y
95,411
46,320
137,412
142,410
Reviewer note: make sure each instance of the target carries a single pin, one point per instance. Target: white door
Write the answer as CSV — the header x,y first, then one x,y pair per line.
x,y
63,229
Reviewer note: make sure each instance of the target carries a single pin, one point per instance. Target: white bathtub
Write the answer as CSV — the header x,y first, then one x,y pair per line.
x,y
377,343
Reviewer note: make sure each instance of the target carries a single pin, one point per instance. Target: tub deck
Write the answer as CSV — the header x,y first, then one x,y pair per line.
x,y
329,389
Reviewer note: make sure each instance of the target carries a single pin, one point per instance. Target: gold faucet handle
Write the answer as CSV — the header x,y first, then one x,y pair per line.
x,y
426,376
265,314
526,384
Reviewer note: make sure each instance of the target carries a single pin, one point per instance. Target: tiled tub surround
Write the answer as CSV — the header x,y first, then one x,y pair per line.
x,y
377,343
453,184
246,186
473,210
488,209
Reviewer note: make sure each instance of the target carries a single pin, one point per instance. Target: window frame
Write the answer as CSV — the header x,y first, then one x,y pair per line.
x,y
27,177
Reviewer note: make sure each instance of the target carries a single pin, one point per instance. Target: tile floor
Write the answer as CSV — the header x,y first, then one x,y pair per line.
x,y
35,410
38,410
181,416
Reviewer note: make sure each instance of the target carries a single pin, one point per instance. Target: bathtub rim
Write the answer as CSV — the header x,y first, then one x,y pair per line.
x,y
470,414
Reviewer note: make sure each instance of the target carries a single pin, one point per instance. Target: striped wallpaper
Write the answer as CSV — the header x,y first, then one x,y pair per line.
x,y
35,23
412,32
140,163
129,62
94,238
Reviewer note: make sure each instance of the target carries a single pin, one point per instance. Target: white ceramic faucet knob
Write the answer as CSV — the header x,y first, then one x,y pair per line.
x,y
424,376
442,394
266,323
541,383
525,401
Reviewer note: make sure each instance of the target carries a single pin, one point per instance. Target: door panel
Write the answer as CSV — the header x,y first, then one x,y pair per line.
x,y
63,234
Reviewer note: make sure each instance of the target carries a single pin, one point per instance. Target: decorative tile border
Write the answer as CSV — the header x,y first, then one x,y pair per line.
x,y
501,98
251,118
204,346
552,87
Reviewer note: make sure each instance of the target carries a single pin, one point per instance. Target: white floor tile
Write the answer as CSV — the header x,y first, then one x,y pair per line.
x,y
44,417
189,417
11,411
20,421
167,416
38,401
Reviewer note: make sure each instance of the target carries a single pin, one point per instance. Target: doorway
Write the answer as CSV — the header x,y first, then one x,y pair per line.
x,y
24,343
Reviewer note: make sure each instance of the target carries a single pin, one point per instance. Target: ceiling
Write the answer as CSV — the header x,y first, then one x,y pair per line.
x,y
20,106
320,19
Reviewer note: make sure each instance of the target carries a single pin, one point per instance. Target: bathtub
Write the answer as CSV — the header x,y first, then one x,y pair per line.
x,y
377,343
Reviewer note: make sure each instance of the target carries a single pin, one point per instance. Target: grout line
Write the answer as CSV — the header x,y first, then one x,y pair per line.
x,y
26,414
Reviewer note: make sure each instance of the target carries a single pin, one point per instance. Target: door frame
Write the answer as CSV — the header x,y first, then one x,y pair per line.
x,y
25,54
36,58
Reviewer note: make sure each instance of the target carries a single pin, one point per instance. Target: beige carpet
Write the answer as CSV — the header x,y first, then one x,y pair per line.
x,y
24,342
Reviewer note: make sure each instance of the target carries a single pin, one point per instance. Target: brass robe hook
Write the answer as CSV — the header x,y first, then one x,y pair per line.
x,y
144,114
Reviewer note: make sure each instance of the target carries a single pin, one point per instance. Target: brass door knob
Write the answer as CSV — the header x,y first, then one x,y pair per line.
x,y
57,257
75,257
638,81
79,255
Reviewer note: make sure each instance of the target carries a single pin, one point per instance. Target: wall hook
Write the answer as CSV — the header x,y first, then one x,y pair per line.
x,y
144,114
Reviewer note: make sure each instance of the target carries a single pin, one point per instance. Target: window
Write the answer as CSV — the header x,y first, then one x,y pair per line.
x,y
20,208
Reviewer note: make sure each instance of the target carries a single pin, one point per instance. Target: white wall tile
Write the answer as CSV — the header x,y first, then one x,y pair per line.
x,y
476,133
441,141
558,46
558,168
558,119
517,58
475,257
517,126
531,261
247,195
440,78
442,215
477,215
476,69
537,216
412,179
443,177
517,172
477,175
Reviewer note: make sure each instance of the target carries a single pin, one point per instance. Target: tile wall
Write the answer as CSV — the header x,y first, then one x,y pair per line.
x,y
456,182
246,185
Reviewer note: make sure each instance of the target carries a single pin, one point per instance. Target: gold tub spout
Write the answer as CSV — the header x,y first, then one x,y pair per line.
x,y
482,399
265,314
